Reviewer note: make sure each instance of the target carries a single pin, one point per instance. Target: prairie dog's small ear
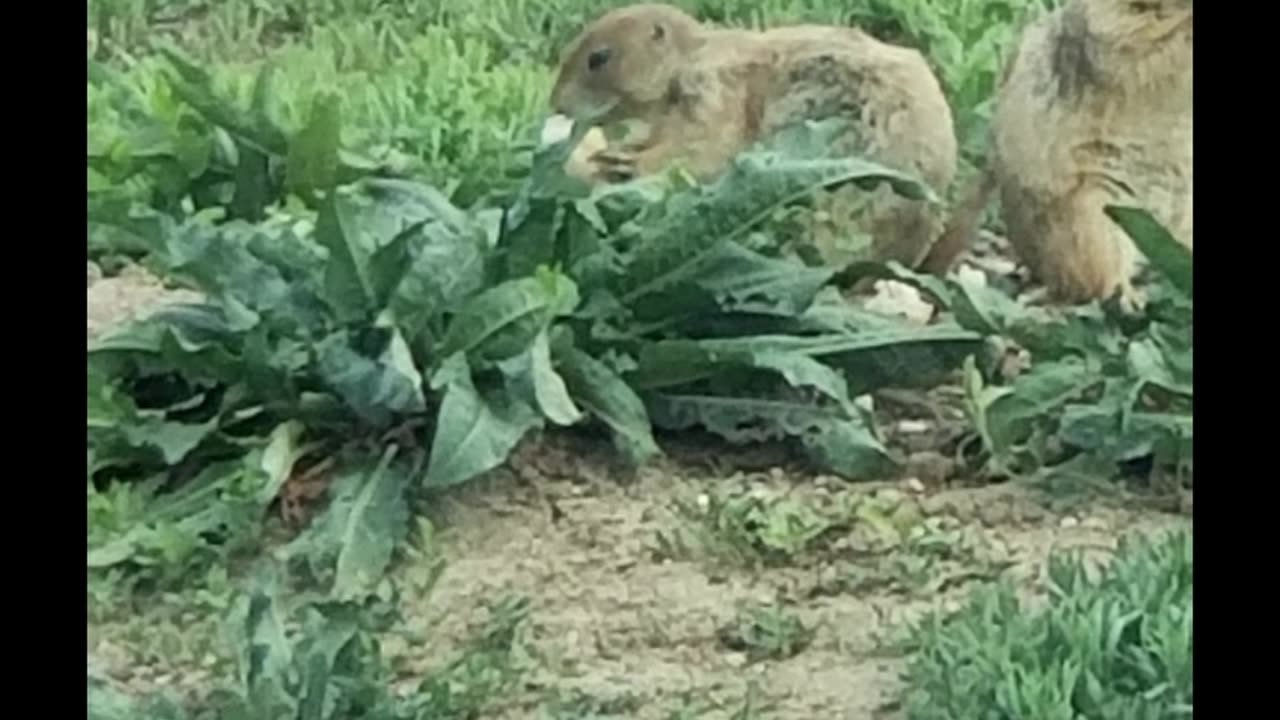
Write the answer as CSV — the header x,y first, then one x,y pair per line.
x,y
659,32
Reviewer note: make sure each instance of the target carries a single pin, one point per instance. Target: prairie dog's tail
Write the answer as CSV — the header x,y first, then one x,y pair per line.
x,y
962,227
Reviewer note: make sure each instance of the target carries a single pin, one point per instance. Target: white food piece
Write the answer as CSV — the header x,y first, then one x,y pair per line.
x,y
556,128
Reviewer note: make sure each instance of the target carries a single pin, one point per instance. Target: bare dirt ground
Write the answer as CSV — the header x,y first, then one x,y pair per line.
x,y
627,616
612,617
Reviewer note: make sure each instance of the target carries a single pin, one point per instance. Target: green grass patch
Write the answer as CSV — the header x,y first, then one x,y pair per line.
x,y
1115,644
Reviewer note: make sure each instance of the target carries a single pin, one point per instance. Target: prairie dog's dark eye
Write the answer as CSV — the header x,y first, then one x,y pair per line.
x,y
598,58
659,32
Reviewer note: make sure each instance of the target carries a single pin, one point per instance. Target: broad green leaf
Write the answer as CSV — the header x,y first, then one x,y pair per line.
x,y
1150,363
120,433
607,396
1099,432
907,358
1038,394
830,313
353,540
901,356
387,267
841,443
221,263
532,378
325,636
312,165
425,294
378,387
174,441
193,339
294,254
1174,343
266,656
677,362
733,279
1114,429
758,184
850,449
988,311
475,432
374,231
1166,254
448,239
349,283
533,240
503,321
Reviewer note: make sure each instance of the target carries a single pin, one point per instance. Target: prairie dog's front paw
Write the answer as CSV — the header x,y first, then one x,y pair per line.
x,y
614,165
581,163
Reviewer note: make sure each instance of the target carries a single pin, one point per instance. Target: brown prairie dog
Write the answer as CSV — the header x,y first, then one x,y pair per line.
x,y
706,94
1095,109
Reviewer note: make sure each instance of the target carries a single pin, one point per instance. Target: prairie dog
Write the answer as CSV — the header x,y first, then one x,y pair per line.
x,y
706,94
1094,109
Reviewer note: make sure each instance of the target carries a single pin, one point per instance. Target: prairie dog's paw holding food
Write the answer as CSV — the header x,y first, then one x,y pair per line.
x,y
580,164
614,165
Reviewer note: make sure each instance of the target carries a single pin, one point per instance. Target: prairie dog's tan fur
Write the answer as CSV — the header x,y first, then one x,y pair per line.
x,y
706,94
1095,109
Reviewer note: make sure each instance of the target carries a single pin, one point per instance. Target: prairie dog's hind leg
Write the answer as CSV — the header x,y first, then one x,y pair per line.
x,y
1071,245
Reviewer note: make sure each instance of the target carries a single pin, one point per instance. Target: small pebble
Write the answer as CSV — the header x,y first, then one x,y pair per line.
x,y
1094,523
914,427
1069,522
914,485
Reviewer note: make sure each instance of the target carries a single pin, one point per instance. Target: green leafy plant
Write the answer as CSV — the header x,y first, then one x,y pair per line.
x,y
1115,391
1105,390
755,527
632,311
1115,646
299,657
766,632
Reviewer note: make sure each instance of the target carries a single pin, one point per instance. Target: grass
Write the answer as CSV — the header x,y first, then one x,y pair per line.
x,y
1115,644
310,165
453,85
